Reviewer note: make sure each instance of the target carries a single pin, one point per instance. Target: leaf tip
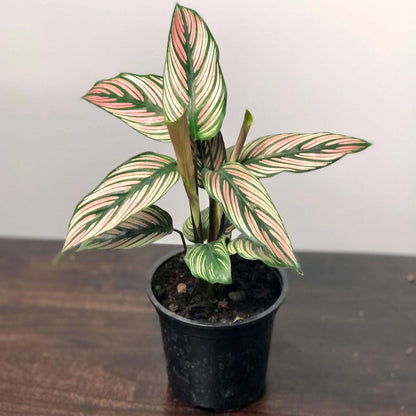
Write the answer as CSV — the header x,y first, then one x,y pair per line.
x,y
366,144
248,119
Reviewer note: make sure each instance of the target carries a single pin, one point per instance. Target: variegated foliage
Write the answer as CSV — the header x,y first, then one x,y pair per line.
x,y
248,206
134,99
294,152
192,76
131,187
188,231
187,106
209,154
210,261
144,227
251,250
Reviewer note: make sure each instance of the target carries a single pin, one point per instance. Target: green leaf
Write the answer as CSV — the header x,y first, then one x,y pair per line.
x,y
210,262
248,206
192,79
188,232
294,152
140,229
131,187
251,250
134,99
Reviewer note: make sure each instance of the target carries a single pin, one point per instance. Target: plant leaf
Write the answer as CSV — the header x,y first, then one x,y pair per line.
x,y
209,154
210,262
131,187
248,206
188,231
192,77
134,99
140,229
294,152
251,250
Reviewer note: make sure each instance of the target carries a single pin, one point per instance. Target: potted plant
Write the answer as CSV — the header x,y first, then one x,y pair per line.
x,y
217,350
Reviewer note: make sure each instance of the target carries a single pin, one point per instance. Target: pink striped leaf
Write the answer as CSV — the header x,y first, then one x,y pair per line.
x,y
210,262
248,206
134,99
209,154
188,231
251,250
295,152
128,189
192,78
140,229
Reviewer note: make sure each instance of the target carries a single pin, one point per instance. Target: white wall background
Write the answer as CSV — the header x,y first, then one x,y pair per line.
x,y
298,65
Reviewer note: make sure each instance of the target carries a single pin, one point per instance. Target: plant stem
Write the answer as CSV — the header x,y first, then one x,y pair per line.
x,y
215,209
214,221
185,248
247,122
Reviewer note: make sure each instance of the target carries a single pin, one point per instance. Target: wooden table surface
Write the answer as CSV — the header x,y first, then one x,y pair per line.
x,y
81,338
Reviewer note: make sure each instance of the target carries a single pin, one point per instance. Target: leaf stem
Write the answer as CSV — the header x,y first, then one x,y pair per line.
x,y
185,248
215,211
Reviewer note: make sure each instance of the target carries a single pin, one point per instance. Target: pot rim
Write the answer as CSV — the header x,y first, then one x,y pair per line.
x,y
161,309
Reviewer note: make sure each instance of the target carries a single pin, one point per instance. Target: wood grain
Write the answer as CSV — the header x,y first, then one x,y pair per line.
x,y
81,338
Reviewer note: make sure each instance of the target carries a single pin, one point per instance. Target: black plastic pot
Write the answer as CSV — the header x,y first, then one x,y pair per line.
x,y
217,366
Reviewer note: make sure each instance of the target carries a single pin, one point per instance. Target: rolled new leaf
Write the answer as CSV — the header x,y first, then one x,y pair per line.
x,y
192,79
144,227
209,154
248,206
210,262
188,230
134,99
294,152
179,134
251,250
131,187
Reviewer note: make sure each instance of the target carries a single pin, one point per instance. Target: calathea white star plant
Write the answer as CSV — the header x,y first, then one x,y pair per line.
x,y
186,107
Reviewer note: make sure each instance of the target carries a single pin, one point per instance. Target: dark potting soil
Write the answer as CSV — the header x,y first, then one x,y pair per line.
x,y
254,288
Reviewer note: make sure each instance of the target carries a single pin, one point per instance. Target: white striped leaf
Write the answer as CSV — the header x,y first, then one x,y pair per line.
x,y
209,154
192,78
295,152
210,262
140,229
134,99
251,250
131,187
248,206
188,231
